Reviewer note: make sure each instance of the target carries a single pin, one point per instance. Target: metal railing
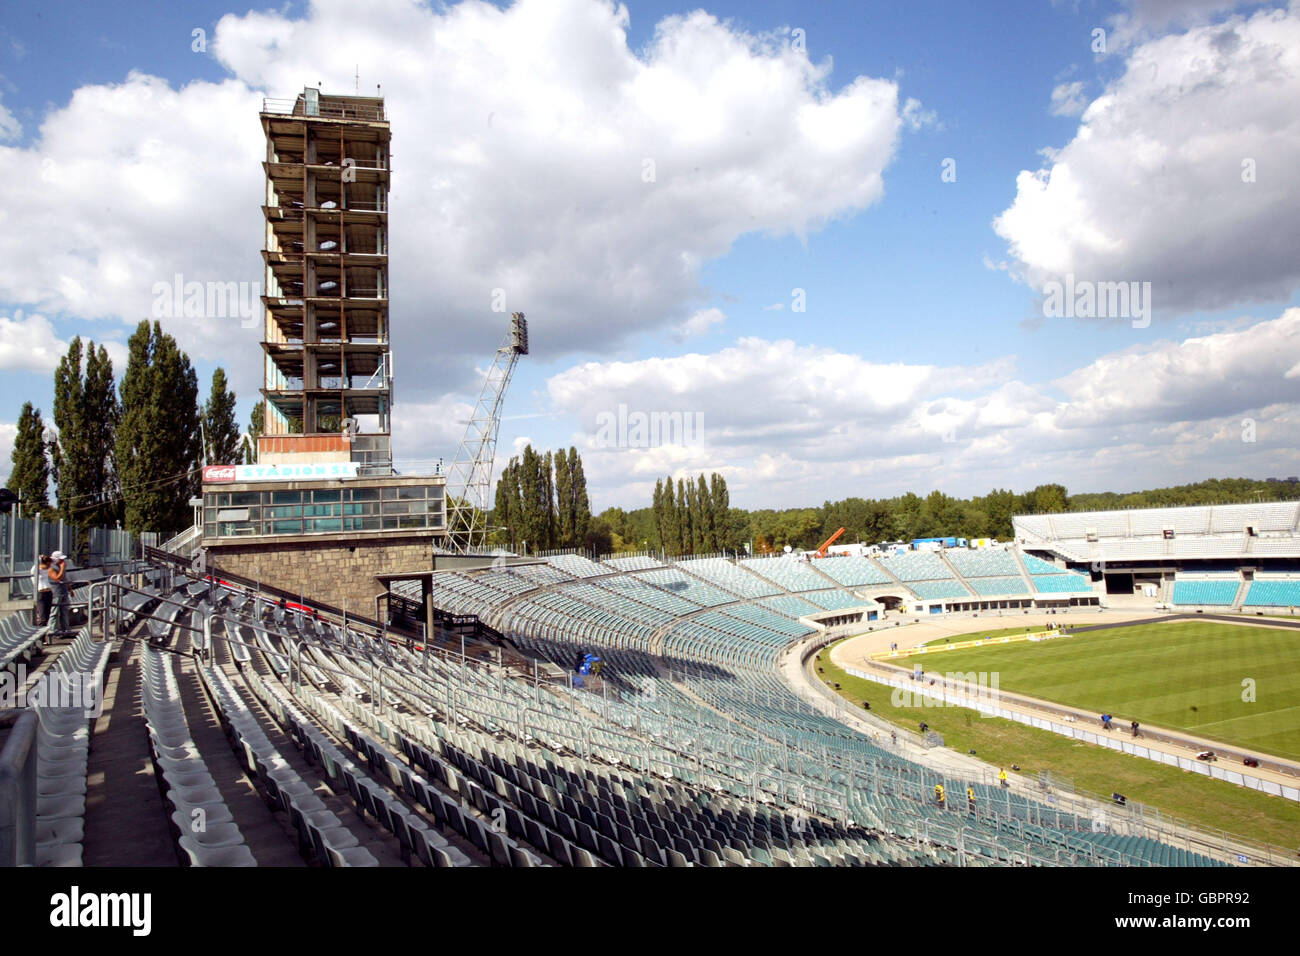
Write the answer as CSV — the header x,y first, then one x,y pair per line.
x,y
324,109
777,770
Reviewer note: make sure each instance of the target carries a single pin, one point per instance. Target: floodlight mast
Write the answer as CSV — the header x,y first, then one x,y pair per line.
x,y
470,476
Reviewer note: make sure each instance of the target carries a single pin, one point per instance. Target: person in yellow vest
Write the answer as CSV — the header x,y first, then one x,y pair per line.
x,y
970,798
1002,778
938,794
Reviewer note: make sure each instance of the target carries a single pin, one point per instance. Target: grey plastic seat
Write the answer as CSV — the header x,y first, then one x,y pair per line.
x,y
351,856
213,835
200,855
187,821
59,854
60,830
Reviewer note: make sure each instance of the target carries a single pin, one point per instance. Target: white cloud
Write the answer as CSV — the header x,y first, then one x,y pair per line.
x,y
917,117
1068,99
700,322
28,342
521,137
1150,190
8,434
1220,374
10,128
788,423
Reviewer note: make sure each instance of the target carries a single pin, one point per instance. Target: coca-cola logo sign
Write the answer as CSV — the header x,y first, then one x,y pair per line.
x,y
219,473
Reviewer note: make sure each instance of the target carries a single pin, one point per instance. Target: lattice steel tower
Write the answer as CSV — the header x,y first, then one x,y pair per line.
x,y
470,477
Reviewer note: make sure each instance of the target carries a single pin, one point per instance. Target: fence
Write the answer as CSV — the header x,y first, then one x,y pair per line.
x,y
24,540
1142,819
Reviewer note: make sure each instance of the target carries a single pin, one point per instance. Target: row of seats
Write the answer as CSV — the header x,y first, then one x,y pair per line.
x,y
201,821
19,639
63,750
1277,592
1207,592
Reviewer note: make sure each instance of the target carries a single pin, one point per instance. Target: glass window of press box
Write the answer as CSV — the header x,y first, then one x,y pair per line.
x,y
231,514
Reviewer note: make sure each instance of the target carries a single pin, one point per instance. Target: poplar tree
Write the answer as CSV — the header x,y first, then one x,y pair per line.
x,y
256,425
720,505
29,478
86,415
708,531
657,513
581,502
564,515
220,430
158,440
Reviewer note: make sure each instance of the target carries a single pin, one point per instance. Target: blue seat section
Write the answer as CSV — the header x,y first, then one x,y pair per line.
x,y
675,581
935,590
917,566
832,600
853,571
1192,591
729,577
1036,565
989,587
982,563
1273,593
1061,583
793,574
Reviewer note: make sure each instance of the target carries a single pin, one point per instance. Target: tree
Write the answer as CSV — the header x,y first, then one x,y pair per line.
x,y
657,509
256,425
579,502
719,505
30,476
503,528
599,538
708,527
563,503
158,440
220,431
683,520
1048,498
547,463
86,415
70,477
672,521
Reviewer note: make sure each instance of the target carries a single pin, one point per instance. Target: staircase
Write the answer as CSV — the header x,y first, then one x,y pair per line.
x,y
1030,587
1242,591
185,543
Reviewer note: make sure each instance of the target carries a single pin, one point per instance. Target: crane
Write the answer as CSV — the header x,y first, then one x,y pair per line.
x,y
821,552
470,476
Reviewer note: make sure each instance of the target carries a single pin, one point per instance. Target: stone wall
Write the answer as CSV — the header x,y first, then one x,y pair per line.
x,y
340,572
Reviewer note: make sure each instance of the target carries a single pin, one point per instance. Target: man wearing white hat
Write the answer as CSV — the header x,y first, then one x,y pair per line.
x,y
62,598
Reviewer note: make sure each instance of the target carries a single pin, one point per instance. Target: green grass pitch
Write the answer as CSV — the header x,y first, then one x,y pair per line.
x,y
1189,676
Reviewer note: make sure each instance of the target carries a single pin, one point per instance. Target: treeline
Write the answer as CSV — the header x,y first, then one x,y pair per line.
x,y
694,518
902,518
541,503
128,452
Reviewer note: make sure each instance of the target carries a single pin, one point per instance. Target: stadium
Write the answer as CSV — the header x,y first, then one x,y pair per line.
x,y
341,639
300,736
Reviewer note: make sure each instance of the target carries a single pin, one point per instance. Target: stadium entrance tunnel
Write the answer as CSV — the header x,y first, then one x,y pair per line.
x,y
891,602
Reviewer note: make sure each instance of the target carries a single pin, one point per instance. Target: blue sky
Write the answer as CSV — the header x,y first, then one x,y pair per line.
x,y
923,359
